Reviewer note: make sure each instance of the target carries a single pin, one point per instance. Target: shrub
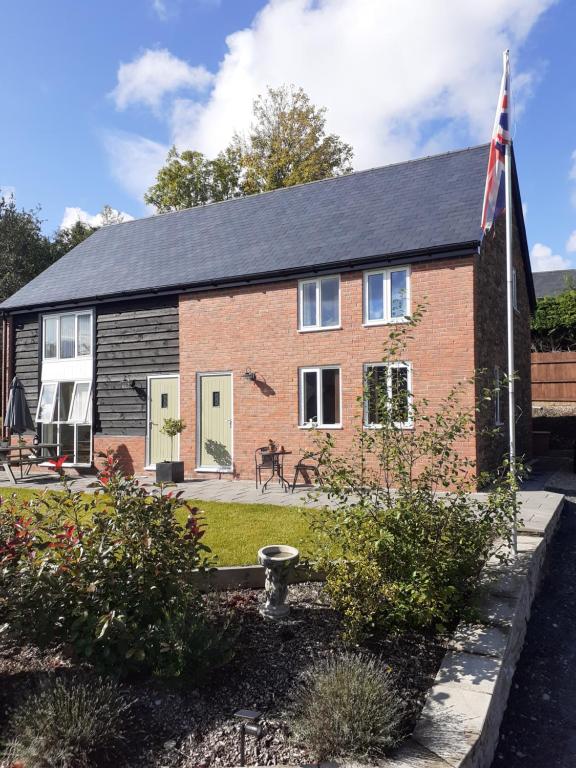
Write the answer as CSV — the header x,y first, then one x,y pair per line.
x,y
111,574
68,725
348,706
402,542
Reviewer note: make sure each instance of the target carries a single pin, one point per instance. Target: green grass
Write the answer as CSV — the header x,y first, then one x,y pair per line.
x,y
235,532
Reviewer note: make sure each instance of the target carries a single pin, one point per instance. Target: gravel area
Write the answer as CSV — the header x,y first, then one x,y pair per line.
x,y
176,726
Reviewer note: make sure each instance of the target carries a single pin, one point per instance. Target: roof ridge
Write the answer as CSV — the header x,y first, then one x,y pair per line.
x,y
305,184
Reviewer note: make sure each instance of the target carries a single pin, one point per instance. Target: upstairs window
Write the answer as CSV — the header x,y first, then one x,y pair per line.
x,y
67,336
320,397
388,386
386,295
319,301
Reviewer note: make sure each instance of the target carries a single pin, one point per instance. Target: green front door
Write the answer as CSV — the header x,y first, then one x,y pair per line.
x,y
216,421
163,404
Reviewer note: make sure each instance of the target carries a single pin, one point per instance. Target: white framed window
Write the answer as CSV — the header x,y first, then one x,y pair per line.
x,y
80,401
67,336
46,402
64,413
498,396
319,303
388,385
320,397
386,295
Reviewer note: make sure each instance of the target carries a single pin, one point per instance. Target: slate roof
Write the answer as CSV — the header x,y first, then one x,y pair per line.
x,y
553,283
431,203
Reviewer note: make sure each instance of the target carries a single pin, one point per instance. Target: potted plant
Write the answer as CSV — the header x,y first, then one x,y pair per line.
x,y
171,471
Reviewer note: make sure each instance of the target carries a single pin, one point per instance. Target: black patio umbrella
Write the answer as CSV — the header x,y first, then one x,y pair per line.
x,y
18,417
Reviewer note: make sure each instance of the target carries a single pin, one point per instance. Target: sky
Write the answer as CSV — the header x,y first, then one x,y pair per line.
x,y
95,92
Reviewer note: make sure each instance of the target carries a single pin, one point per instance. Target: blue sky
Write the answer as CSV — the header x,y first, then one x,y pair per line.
x,y
94,93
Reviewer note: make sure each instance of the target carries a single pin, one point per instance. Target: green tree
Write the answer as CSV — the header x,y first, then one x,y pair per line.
x,y
67,238
554,322
24,250
190,179
287,144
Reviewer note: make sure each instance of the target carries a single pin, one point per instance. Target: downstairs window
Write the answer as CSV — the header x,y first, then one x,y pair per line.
x,y
65,417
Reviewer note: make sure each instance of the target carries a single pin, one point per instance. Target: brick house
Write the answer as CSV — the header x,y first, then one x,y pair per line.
x,y
258,317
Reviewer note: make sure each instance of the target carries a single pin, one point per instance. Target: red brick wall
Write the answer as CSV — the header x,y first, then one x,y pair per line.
x,y
491,344
130,449
256,327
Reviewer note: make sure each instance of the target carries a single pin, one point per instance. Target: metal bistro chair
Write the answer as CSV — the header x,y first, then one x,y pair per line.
x,y
307,465
264,460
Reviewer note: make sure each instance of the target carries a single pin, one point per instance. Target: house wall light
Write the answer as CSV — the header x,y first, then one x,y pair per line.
x,y
249,375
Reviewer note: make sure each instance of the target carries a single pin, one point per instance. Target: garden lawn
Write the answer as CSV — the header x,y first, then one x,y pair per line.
x,y
235,532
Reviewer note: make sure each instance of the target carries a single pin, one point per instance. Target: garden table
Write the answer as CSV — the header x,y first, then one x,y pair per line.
x,y
278,468
27,457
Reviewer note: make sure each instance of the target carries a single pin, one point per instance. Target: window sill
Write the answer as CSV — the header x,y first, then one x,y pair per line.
x,y
320,426
376,323
404,427
319,330
219,470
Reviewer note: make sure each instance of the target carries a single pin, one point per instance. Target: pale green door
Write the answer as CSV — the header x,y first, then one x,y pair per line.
x,y
216,421
163,404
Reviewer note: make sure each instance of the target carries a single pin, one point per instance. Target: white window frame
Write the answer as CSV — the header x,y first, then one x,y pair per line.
x,y
409,424
58,318
75,424
317,327
317,369
498,421
387,295
88,402
44,385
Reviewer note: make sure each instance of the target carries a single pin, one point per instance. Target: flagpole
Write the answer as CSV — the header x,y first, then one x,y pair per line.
x,y
510,316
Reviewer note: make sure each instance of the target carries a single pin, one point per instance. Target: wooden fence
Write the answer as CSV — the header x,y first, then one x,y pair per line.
x,y
554,376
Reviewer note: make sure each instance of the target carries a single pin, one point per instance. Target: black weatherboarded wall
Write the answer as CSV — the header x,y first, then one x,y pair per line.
x,y
133,340
26,357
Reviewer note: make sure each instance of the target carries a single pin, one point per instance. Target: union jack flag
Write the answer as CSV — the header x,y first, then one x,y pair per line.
x,y
494,195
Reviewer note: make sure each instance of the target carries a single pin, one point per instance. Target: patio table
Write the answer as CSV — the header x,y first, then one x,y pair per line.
x,y
277,468
28,459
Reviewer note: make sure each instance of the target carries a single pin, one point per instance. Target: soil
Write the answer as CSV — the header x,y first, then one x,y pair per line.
x,y
178,726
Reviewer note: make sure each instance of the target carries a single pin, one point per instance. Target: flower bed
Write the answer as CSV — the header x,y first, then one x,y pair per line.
x,y
183,726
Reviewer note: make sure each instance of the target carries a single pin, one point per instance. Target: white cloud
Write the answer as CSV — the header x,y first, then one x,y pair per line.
x,y
74,214
7,192
152,75
134,161
160,9
398,78
542,259
571,243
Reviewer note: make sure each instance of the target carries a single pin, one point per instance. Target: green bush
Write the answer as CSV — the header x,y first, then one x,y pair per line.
x,y
68,725
348,706
112,575
402,541
554,322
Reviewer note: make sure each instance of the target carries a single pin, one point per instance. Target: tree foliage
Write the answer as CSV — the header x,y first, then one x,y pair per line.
x,y
287,144
24,250
554,322
67,238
